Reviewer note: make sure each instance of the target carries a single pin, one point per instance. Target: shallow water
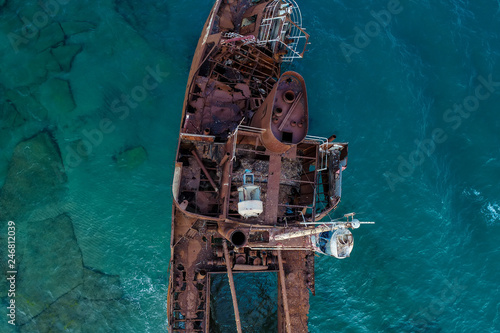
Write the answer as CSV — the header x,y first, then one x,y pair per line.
x,y
430,264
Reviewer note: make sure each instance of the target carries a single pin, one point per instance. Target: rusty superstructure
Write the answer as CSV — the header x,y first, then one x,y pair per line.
x,y
250,184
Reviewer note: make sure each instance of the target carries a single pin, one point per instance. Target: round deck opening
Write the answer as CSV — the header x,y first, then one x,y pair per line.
x,y
289,96
238,238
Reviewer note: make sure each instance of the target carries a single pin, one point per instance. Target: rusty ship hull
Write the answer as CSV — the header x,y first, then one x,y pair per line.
x,y
249,182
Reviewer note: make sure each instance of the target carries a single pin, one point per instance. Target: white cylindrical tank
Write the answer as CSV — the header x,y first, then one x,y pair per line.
x,y
250,208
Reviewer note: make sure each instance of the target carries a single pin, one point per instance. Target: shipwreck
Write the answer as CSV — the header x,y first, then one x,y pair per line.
x,y
251,186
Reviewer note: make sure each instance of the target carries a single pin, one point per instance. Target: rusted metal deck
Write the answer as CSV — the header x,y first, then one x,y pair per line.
x,y
246,170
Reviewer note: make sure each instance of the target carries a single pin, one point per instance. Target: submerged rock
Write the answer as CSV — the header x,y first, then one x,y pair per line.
x,y
10,117
65,54
33,71
50,62
60,316
99,286
32,182
51,266
54,288
50,36
131,158
138,15
75,313
96,300
26,104
56,96
76,27
32,178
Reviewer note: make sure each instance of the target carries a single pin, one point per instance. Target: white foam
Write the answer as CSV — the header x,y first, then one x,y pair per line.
x,y
492,212
472,193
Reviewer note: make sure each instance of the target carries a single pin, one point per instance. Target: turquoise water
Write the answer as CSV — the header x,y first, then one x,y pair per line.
x,y
257,302
425,170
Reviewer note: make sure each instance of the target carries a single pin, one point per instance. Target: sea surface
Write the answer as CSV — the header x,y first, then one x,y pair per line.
x,y
413,86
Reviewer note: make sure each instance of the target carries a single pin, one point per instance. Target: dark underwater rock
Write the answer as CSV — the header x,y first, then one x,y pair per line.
x,y
65,54
49,60
60,316
94,303
10,117
26,104
50,36
138,15
51,266
33,178
56,96
131,158
76,27
74,313
55,291
32,72
54,288
100,286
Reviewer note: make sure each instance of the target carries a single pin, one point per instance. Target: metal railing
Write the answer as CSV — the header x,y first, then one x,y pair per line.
x,y
282,25
246,129
323,161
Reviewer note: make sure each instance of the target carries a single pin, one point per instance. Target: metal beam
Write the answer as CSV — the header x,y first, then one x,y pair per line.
x,y
231,285
205,171
283,292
